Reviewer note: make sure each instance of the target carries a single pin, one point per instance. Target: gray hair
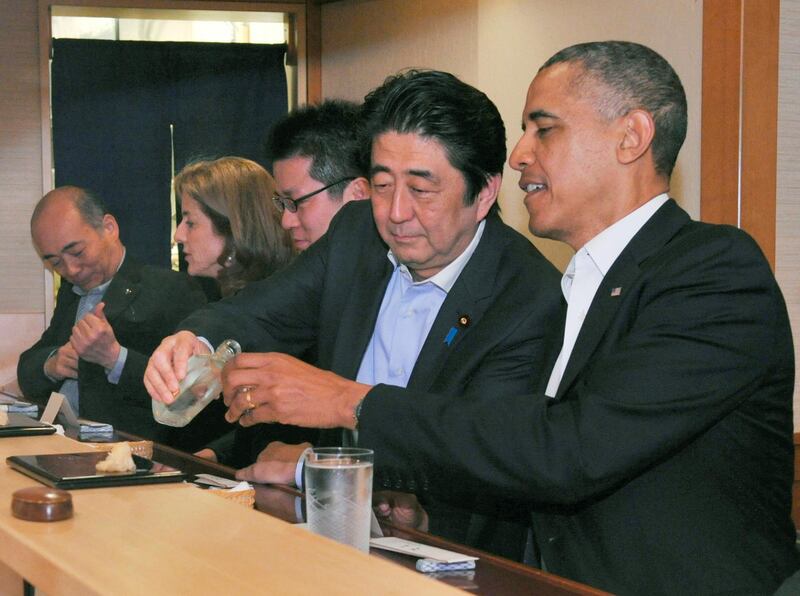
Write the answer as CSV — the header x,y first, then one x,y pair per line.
x,y
636,77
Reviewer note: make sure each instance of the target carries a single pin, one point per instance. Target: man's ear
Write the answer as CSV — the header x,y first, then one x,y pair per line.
x,y
357,190
638,130
487,196
110,225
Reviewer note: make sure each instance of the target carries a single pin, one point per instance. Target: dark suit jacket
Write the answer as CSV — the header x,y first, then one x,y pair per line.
x,y
143,305
664,464
328,299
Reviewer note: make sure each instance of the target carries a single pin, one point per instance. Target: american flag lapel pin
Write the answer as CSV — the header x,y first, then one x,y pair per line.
x,y
616,292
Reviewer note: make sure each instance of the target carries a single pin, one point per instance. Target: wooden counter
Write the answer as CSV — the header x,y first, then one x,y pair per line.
x,y
176,538
493,575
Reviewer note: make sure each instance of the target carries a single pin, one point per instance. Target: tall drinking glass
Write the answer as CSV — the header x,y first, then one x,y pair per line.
x,y
339,493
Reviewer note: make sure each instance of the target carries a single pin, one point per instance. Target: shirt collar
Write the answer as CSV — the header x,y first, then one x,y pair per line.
x,y
604,248
446,278
101,289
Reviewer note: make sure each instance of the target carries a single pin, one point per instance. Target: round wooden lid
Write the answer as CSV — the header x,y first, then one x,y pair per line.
x,y
41,503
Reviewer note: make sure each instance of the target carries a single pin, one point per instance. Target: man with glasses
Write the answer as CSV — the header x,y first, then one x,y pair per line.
x,y
314,154
422,288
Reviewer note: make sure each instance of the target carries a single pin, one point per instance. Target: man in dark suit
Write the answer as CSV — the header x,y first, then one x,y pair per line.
x,y
658,460
98,359
423,287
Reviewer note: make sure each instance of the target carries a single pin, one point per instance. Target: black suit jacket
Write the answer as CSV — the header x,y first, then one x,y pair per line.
x,y
143,305
327,302
664,464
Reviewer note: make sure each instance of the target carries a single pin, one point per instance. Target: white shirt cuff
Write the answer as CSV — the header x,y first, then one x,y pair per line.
x,y
298,471
207,343
44,368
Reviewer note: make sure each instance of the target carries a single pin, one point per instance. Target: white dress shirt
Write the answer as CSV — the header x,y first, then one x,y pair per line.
x,y
585,273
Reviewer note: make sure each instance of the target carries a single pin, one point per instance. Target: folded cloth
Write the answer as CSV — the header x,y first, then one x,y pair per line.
x,y
95,428
21,407
206,480
432,565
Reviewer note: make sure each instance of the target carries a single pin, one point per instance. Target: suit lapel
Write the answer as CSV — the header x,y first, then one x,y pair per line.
x,y
122,290
68,300
602,310
618,282
468,298
366,294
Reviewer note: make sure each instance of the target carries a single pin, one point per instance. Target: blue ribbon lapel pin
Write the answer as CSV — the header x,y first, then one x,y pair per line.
x,y
463,322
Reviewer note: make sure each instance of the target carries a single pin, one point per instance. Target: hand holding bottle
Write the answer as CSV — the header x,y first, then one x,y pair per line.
x,y
168,365
201,385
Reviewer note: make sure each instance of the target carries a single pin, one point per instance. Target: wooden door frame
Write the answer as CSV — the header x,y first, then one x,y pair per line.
x,y
739,139
308,82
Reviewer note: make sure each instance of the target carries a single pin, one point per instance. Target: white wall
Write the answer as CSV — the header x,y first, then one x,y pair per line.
x,y
364,41
787,234
497,45
21,273
17,332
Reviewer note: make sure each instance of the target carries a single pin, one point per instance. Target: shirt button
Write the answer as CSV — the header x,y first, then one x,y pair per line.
x,y
397,372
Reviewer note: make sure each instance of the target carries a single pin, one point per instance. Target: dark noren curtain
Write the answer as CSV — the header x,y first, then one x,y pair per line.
x,y
114,101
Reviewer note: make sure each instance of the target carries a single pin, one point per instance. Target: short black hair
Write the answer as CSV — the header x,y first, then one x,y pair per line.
x,y
438,105
637,78
328,134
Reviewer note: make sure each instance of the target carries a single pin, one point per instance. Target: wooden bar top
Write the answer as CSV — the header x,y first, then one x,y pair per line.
x,y
176,538
493,575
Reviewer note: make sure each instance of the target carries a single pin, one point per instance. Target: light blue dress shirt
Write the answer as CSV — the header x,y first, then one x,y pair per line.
x,y
407,313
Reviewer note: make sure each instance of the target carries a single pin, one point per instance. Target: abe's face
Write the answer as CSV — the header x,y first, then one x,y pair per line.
x,y
566,157
293,179
202,244
418,202
85,256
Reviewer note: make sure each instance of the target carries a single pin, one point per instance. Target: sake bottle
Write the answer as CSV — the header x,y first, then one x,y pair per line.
x,y
201,385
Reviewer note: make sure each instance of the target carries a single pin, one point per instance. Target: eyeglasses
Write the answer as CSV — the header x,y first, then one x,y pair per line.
x,y
290,205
